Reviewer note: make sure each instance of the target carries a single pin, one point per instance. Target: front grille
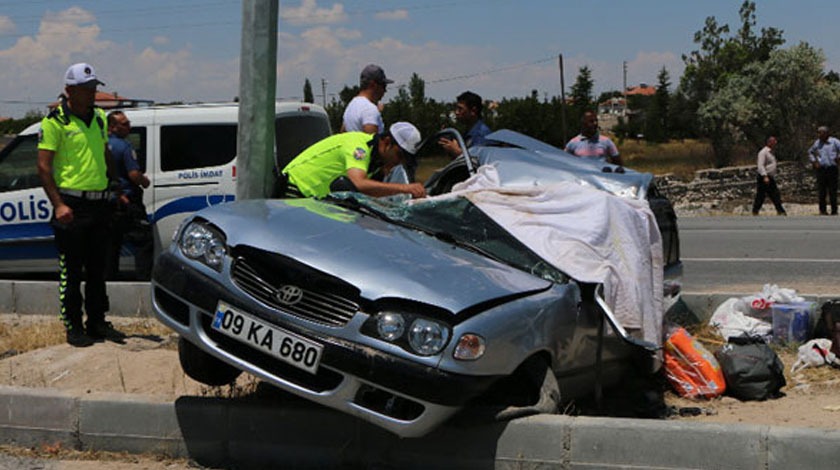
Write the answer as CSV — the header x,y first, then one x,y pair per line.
x,y
314,305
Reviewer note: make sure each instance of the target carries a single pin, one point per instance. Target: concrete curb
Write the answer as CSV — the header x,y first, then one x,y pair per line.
x,y
132,299
225,432
127,299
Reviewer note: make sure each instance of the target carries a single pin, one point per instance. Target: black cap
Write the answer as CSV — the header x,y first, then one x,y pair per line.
x,y
374,73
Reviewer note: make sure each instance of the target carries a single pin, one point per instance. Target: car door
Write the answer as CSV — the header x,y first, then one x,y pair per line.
x,y
26,238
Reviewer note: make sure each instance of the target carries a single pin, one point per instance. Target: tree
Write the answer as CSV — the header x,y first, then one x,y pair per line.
x,y
582,89
308,97
656,121
720,58
786,95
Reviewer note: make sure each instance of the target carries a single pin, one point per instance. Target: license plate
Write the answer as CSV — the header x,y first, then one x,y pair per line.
x,y
284,345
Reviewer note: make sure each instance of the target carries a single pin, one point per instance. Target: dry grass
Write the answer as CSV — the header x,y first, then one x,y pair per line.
x,y
427,166
57,451
23,333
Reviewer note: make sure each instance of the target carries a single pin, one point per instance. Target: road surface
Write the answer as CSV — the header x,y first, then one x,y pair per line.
x,y
741,254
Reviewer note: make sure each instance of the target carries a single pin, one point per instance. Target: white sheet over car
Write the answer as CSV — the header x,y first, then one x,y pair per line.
x,y
587,233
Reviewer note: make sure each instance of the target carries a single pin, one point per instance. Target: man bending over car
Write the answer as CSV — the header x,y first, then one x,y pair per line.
x,y
354,161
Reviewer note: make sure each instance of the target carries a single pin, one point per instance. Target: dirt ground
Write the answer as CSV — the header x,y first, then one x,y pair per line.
x,y
147,364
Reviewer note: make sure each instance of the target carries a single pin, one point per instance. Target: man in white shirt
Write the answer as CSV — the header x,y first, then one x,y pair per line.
x,y
766,179
362,113
824,155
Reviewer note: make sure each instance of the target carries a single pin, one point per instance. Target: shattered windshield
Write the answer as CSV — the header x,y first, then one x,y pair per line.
x,y
457,221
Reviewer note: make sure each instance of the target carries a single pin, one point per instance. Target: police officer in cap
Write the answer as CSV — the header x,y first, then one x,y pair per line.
x,y
354,161
74,165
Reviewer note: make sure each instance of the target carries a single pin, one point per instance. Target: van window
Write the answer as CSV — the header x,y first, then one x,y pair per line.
x,y
137,139
196,146
293,134
19,164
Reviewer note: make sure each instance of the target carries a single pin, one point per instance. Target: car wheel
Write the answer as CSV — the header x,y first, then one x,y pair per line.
x,y
535,374
204,368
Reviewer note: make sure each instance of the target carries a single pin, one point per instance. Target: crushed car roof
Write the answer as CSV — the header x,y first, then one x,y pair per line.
x,y
522,160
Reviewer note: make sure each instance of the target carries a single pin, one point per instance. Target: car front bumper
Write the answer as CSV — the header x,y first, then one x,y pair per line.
x,y
405,397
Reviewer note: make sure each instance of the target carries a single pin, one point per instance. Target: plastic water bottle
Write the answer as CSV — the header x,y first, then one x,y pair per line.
x,y
799,326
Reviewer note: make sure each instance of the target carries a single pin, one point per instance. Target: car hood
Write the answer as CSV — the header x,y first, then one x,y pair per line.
x,y
381,259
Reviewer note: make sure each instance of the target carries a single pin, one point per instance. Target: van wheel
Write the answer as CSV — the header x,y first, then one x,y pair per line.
x,y
204,368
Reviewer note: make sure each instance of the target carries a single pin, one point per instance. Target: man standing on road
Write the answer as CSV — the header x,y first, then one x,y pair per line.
x,y
74,167
129,212
824,156
591,144
468,109
362,113
766,179
354,161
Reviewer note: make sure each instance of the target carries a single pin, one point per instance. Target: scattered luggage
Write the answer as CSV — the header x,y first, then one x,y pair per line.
x,y
829,324
815,353
690,368
751,368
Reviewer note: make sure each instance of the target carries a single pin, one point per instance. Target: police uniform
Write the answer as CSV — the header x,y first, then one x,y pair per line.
x,y
81,175
313,171
130,221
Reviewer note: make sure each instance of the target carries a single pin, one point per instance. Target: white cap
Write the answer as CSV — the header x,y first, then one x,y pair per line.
x,y
81,74
406,135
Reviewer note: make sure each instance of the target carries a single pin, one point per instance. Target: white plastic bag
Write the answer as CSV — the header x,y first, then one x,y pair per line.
x,y
814,353
731,322
777,295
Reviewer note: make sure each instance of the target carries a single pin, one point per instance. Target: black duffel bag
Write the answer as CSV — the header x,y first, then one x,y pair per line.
x,y
751,368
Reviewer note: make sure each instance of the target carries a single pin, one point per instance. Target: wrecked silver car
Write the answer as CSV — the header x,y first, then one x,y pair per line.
x,y
402,313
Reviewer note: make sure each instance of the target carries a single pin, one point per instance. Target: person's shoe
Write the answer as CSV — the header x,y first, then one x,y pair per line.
x,y
755,213
105,330
77,337
783,213
823,213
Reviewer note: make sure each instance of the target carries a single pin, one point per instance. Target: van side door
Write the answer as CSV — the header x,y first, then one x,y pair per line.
x,y
26,238
194,170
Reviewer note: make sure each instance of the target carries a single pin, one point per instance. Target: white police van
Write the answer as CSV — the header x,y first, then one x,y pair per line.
x,y
188,152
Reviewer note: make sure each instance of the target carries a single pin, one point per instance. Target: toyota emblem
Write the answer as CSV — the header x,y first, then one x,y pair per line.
x,y
288,294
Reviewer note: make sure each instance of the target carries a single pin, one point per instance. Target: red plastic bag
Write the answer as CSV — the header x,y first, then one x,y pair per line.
x,y
690,368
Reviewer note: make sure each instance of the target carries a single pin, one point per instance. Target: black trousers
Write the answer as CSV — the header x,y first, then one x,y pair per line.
x,y
762,190
82,247
130,223
827,184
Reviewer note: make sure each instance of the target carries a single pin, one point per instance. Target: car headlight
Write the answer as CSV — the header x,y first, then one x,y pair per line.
x,y
390,326
427,337
200,242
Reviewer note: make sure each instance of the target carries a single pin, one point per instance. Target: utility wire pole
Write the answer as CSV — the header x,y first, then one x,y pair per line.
x,y
324,91
624,90
562,101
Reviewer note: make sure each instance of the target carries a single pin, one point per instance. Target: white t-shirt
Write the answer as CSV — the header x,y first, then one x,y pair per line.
x,y
361,111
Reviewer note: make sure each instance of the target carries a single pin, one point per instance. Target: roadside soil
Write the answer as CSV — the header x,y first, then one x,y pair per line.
x,y
34,355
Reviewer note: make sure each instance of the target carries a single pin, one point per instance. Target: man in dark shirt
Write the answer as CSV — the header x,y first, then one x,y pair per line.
x,y
468,108
130,220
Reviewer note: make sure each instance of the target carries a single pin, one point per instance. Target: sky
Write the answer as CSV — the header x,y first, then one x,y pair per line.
x,y
189,50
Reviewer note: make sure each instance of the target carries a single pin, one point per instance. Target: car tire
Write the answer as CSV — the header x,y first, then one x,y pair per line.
x,y
538,374
204,368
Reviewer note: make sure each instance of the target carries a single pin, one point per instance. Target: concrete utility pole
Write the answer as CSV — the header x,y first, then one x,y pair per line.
x,y
257,93
624,90
324,91
562,101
